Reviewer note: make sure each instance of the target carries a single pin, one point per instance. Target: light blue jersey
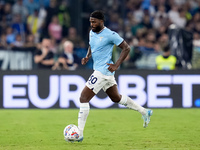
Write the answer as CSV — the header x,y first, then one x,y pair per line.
x,y
102,46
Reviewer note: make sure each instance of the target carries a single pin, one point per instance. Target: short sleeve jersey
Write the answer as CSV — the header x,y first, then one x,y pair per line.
x,y
101,47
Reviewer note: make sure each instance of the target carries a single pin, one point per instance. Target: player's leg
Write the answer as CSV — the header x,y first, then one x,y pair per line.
x,y
124,100
114,95
93,86
85,97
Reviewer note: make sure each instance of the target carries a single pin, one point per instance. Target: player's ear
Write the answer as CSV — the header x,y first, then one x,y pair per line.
x,y
102,22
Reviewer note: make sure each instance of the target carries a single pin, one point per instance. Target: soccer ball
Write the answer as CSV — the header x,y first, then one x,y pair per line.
x,y
71,133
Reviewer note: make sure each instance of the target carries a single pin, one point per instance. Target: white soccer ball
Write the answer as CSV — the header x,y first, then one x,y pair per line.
x,y
71,133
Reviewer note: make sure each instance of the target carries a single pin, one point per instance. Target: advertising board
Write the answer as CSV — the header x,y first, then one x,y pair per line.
x,y
61,89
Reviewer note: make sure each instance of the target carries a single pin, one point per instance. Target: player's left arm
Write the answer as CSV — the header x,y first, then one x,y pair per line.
x,y
125,51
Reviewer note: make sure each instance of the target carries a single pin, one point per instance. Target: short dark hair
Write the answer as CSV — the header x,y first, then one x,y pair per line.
x,y
98,14
166,48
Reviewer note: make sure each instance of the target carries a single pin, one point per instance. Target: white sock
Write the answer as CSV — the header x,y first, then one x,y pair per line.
x,y
82,116
129,103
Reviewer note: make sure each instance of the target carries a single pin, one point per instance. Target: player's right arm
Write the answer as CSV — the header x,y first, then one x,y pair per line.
x,y
87,57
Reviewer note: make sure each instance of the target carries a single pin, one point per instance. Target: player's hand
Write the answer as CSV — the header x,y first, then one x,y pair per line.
x,y
84,60
45,51
112,67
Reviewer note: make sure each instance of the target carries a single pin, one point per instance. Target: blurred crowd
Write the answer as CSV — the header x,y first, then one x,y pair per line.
x,y
43,26
144,24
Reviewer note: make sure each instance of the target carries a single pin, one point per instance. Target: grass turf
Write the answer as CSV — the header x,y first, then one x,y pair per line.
x,y
106,129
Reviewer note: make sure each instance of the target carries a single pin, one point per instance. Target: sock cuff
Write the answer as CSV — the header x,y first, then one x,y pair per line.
x,y
84,106
123,100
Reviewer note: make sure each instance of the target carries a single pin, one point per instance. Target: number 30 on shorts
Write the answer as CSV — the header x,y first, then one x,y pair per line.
x,y
92,79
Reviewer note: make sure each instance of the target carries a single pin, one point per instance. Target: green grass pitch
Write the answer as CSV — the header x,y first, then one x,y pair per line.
x,y
106,129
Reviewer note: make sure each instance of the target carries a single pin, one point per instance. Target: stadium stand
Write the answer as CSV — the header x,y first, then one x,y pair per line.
x,y
147,25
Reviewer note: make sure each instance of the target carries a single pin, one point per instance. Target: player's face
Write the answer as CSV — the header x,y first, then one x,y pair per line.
x,y
96,24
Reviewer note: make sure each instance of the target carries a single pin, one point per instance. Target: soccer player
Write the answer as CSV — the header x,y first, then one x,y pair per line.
x,y
101,41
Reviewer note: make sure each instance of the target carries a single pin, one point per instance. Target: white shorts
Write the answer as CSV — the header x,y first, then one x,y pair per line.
x,y
98,81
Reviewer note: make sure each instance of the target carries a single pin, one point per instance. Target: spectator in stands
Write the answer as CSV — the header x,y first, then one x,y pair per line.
x,y
10,36
18,41
31,5
128,33
152,8
74,37
51,10
161,12
1,9
19,8
61,46
146,22
163,40
161,17
54,46
30,41
166,61
64,17
160,31
149,43
43,3
196,51
2,2
114,22
55,29
196,40
3,24
196,17
143,17
5,16
135,27
197,27
181,20
8,14
19,27
41,23
189,26
3,42
173,13
138,12
33,23
68,60
44,57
